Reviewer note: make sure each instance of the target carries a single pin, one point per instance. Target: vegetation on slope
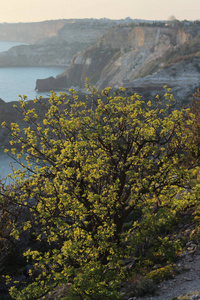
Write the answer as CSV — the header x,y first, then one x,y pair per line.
x,y
103,186
183,53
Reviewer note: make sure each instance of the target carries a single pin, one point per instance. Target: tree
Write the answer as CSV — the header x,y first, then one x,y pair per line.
x,y
195,138
90,165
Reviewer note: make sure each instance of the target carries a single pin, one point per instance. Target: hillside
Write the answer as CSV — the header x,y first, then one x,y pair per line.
x,y
30,32
138,57
136,159
50,43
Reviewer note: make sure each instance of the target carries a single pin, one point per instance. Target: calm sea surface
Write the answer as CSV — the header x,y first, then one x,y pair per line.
x,y
15,81
6,166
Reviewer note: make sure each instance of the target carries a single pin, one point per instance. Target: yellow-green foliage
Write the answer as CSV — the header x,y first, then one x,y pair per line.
x,y
89,166
189,296
161,274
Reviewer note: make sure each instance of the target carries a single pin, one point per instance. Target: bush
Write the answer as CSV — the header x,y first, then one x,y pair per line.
x,y
89,166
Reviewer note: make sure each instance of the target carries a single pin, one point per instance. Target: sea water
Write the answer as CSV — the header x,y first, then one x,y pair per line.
x,y
22,81
15,81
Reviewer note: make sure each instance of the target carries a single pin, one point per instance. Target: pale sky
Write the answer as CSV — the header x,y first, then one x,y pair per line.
x,y
40,10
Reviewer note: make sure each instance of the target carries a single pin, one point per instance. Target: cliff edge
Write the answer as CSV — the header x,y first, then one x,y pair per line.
x,y
134,56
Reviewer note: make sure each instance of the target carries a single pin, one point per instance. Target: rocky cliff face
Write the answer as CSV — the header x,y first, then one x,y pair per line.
x,y
57,41
138,47
183,78
125,54
43,54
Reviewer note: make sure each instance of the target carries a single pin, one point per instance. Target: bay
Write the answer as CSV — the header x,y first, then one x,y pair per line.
x,y
15,81
6,45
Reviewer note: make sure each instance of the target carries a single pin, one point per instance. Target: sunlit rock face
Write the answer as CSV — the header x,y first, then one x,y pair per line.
x,y
132,51
109,53
138,57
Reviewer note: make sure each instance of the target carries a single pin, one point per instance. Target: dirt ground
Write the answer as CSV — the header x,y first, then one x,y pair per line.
x,y
187,282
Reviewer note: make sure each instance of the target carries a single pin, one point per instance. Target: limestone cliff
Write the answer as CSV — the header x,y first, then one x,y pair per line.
x,y
126,53
57,42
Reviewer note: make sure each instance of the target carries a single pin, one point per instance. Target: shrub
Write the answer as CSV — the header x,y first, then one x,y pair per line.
x,y
88,166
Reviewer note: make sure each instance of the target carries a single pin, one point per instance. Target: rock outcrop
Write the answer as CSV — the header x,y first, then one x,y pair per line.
x,y
47,84
133,56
